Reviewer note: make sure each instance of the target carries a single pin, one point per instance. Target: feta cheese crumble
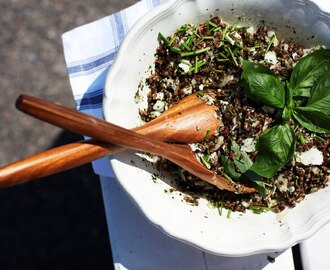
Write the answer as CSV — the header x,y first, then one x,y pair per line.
x,y
311,157
249,145
184,67
270,57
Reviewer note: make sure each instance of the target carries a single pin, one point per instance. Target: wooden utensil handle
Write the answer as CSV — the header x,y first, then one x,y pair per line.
x,y
84,124
54,161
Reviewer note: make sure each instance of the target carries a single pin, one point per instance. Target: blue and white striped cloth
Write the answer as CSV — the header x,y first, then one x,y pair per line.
x,y
89,51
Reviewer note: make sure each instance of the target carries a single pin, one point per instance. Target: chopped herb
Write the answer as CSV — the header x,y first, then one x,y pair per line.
x,y
172,40
234,27
187,54
217,70
320,138
186,47
302,139
270,43
232,56
258,209
228,213
176,49
195,52
207,135
224,57
163,38
212,23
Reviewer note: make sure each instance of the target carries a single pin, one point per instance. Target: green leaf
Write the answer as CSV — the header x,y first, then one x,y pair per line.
x,y
257,180
320,94
262,86
241,160
275,148
312,119
308,70
255,67
229,167
286,114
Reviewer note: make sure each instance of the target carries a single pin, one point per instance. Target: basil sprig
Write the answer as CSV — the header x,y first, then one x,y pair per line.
x,y
306,98
308,70
275,148
262,86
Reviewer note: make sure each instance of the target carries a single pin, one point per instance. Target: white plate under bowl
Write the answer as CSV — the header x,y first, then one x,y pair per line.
x,y
201,226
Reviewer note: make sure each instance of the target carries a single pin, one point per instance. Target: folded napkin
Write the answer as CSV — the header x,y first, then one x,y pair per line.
x,y
89,51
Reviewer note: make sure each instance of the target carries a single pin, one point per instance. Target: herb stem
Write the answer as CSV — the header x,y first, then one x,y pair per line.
x,y
232,56
163,38
229,213
270,43
195,52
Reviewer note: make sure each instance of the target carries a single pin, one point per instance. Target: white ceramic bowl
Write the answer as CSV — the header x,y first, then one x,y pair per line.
x,y
203,227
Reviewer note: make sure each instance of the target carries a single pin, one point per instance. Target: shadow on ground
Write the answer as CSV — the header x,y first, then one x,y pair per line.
x,y
56,222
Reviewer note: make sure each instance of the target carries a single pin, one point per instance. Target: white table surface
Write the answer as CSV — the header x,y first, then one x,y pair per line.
x,y
138,244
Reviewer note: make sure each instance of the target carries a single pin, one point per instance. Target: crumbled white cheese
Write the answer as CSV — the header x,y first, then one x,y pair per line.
x,y
294,55
272,34
155,114
285,47
195,147
159,106
226,79
201,87
235,121
282,183
246,204
187,90
211,54
208,99
224,103
213,157
270,57
184,67
255,123
169,82
311,157
315,170
218,143
237,35
160,96
250,30
249,145
231,41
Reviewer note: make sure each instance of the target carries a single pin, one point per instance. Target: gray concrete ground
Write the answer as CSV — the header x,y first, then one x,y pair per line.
x,y
57,222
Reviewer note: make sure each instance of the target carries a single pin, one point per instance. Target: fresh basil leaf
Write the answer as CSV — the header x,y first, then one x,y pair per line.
x,y
312,119
229,167
275,148
308,70
320,94
263,87
256,67
241,160
257,180
286,114
289,95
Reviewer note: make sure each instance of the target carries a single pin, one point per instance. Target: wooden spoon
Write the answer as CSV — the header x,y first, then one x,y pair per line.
x,y
186,121
84,124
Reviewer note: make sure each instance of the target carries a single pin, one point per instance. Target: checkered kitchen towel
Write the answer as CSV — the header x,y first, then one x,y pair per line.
x,y
89,51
